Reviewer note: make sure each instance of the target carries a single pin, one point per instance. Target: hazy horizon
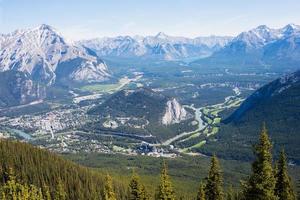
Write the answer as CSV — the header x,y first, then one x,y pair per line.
x,y
82,20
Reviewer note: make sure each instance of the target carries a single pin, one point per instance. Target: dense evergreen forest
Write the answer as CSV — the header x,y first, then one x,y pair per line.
x,y
29,173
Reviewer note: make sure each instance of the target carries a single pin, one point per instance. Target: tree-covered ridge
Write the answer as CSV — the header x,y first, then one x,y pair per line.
x,y
277,104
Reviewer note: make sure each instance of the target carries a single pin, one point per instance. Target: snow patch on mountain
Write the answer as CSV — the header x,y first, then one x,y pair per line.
x,y
263,35
161,46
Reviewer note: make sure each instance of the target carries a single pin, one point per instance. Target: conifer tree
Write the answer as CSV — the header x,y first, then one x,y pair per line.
x,y
136,189
201,192
144,194
261,183
60,193
46,193
230,193
109,193
284,188
214,185
165,190
10,188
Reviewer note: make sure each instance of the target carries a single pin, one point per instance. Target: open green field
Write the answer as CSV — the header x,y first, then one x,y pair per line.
x,y
100,88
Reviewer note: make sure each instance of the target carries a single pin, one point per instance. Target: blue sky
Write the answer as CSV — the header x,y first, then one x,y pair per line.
x,y
79,19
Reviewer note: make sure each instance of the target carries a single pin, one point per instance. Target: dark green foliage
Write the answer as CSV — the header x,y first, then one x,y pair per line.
x,y
214,185
133,103
137,190
165,189
13,190
276,104
41,168
261,183
284,188
230,194
201,192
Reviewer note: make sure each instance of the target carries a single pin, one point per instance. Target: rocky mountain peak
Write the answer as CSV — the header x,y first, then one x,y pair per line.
x,y
290,29
161,35
42,50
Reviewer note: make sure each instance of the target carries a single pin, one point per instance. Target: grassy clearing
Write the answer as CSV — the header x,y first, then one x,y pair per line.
x,y
216,120
200,144
214,131
99,88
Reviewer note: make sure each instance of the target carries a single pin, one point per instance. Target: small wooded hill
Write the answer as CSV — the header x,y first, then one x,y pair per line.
x,y
140,103
138,112
41,168
278,105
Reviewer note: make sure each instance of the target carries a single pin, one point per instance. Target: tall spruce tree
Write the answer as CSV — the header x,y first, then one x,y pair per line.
x,y
201,192
165,190
60,193
12,190
144,194
108,193
46,192
136,189
214,185
284,188
261,183
230,193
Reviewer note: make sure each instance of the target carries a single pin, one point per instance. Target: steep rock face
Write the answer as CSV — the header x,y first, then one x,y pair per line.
x,y
160,46
17,89
42,52
174,113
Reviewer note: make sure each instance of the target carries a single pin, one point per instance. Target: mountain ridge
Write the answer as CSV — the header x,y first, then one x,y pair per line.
x,y
40,52
261,47
160,46
277,105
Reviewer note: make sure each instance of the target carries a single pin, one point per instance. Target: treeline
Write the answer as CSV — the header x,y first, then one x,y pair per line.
x,y
28,173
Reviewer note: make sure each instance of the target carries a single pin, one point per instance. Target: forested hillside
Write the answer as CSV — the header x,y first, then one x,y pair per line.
x,y
41,168
277,104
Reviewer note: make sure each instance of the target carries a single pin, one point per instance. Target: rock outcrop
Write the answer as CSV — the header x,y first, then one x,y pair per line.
x,y
174,113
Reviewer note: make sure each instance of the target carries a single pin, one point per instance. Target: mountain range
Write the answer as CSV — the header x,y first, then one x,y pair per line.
x,y
46,58
261,46
160,46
